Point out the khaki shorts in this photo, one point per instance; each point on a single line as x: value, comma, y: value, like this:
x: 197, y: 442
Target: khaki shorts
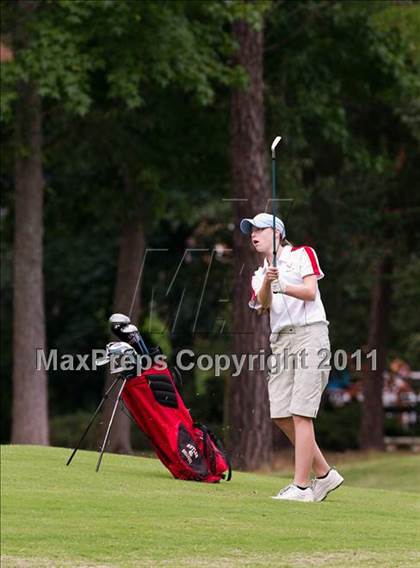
x: 299, y: 370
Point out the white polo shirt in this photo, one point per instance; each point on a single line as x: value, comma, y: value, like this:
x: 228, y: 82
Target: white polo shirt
x: 294, y: 263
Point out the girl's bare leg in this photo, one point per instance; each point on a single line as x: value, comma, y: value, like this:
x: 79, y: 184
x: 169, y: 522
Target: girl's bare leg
x: 307, y: 447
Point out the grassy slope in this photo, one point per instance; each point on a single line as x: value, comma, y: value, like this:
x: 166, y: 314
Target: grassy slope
x: 133, y: 513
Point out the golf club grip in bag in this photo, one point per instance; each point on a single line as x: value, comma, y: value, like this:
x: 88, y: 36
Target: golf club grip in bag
x: 189, y: 450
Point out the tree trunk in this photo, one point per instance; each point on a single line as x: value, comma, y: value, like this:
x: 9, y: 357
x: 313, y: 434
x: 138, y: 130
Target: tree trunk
x: 372, y: 426
x: 250, y: 429
x: 30, y: 394
x: 132, y: 247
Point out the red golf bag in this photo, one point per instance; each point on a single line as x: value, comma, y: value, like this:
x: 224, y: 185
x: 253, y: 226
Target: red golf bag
x: 189, y: 450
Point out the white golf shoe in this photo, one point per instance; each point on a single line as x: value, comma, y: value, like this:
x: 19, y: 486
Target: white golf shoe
x: 293, y: 493
x: 321, y: 487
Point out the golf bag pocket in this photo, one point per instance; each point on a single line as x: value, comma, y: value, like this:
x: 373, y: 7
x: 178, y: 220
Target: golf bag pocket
x: 190, y: 451
x: 214, y: 452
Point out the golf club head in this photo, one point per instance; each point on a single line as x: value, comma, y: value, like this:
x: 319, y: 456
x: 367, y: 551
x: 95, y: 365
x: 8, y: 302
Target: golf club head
x: 130, y: 328
x: 122, y: 356
x: 118, y: 320
x: 115, y: 349
x: 274, y: 145
x: 126, y: 331
x: 102, y: 361
x: 130, y: 334
x: 118, y: 348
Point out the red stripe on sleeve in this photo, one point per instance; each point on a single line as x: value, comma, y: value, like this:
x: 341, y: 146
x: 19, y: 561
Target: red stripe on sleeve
x: 254, y: 295
x: 313, y: 260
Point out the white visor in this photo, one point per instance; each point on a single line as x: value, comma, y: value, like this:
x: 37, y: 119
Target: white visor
x: 262, y: 221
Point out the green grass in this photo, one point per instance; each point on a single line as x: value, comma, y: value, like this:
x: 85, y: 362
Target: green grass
x: 385, y: 472
x: 132, y: 513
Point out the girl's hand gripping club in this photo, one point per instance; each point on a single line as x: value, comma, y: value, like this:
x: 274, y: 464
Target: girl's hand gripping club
x: 272, y: 276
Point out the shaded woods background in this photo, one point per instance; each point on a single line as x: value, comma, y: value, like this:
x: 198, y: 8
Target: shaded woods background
x: 130, y: 126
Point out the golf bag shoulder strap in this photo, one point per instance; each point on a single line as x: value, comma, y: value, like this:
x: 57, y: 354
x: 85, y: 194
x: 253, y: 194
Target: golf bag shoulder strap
x: 177, y: 376
x: 154, y: 352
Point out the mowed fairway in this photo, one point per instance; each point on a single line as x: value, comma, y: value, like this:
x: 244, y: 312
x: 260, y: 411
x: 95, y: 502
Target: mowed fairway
x: 132, y: 513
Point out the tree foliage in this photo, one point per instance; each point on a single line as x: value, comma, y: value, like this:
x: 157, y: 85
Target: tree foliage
x: 131, y: 47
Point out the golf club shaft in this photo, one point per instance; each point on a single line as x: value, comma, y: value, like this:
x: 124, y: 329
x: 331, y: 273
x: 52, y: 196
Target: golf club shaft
x: 83, y: 436
x: 273, y: 200
x: 275, y: 285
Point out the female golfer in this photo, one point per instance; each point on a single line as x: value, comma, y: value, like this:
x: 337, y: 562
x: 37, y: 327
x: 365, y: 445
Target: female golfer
x: 300, y: 350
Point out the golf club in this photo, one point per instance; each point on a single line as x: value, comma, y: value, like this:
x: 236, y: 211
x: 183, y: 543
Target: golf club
x: 119, y: 320
x: 126, y: 331
x: 275, y: 286
x: 135, y: 339
x: 120, y: 353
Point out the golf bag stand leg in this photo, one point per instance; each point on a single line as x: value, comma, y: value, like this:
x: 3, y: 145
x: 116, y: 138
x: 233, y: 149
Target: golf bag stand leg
x: 94, y: 415
x: 104, y: 443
